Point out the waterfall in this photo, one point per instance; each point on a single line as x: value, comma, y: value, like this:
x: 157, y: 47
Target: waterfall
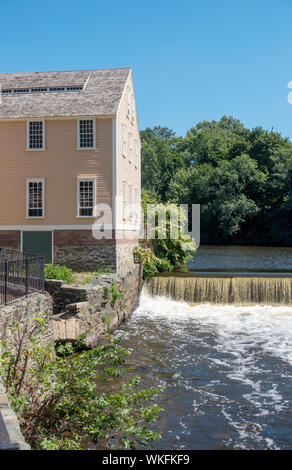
x: 224, y: 289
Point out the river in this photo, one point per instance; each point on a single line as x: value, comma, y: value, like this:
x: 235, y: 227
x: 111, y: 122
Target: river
x: 227, y: 371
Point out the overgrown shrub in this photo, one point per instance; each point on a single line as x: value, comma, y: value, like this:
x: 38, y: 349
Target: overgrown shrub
x: 150, y: 263
x: 62, y: 273
x: 116, y: 294
x: 61, y: 400
x: 172, y: 247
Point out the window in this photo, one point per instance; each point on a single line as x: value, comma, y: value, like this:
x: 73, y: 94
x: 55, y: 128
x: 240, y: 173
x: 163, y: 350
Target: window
x: 136, y: 205
x: 136, y: 153
x: 124, y: 199
x: 36, y: 135
x: 124, y: 140
x: 129, y: 101
x: 86, y: 197
x: 20, y: 91
x: 131, y: 201
x: 130, y: 147
x: 133, y: 108
x: 86, y: 134
x: 35, y: 197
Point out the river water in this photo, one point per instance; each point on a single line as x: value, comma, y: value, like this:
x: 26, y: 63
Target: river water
x: 227, y: 371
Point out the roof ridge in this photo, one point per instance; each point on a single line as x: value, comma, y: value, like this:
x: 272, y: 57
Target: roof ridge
x: 62, y: 71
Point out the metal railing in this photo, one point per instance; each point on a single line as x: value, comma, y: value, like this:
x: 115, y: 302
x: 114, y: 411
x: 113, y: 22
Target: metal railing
x: 21, y: 274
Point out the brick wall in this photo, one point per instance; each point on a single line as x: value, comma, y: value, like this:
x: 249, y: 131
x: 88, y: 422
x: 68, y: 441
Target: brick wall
x: 10, y: 238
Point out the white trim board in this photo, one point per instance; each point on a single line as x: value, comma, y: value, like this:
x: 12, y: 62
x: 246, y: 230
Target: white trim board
x: 67, y: 227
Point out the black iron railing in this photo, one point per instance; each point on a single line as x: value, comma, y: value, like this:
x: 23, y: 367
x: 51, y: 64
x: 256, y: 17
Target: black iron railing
x: 21, y: 274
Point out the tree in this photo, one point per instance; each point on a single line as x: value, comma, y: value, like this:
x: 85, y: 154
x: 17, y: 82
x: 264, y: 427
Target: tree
x: 242, y: 178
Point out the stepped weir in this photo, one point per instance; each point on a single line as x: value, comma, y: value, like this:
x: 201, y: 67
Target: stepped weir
x: 224, y: 288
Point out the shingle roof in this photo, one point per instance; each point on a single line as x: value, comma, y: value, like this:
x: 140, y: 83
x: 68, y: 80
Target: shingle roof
x: 100, y: 96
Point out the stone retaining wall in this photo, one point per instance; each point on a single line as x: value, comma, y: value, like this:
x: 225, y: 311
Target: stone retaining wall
x: 11, y: 437
x: 94, y: 309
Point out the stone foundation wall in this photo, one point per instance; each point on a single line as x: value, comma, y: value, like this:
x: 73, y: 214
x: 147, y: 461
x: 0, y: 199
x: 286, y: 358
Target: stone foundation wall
x: 86, y: 258
x: 80, y: 251
x: 118, y: 256
x: 125, y: 258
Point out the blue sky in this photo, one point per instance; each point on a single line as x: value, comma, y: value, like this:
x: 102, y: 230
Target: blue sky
x: 192, y: 59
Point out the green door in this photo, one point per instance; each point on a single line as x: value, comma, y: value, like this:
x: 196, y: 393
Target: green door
x: 38, y: 243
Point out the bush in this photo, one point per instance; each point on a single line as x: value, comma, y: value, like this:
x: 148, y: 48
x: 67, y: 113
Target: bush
x: 173, y: 248
x: 61, y: 401
x: 61, y: 273
x: 150, y: 263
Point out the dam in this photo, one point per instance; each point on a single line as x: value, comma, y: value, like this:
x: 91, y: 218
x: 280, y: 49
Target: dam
x: 240, y: 275
x: 224, y: 288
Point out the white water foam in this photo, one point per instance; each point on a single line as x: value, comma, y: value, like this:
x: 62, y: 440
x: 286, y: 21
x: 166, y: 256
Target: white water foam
x: 241, y: 337
x: 239, y: 329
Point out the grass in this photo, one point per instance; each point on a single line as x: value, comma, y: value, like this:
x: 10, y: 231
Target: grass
x: 84, y: 278
x: 63, y: 273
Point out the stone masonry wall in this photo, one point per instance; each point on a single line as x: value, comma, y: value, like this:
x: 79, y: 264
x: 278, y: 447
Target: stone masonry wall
x: 86, y: 258
x: 94, y: 309
x: 125, y: 259
x: 24, y: 311
x: 89, y: 258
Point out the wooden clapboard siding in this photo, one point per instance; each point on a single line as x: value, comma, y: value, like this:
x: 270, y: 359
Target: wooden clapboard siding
x: 60, y: 164
x: 128, y: 171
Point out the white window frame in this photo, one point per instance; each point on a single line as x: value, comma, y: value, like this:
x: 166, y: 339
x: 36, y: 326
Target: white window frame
x: 124, y: 199
x: 136, y: 153
x: 129, y: 102
x: 131, y: 202
x: 130, y: 147
x: 136, y: 205
x: 132, y: 108
x: 124, y: 140
x: 94, y: 133
x: 36, y: 180
x: 44, y: 135
x: 79, y: 180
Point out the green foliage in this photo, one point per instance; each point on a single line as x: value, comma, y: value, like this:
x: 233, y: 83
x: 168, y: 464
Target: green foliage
x: 170, y: 243
x: 61, y: 273
x: 101, y: 271
x: 61, y: 399
x: 66, y: 274
x: 165, y: 225
x: 116, y: 294
x: 242, y: 178
x: 151, y: 264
